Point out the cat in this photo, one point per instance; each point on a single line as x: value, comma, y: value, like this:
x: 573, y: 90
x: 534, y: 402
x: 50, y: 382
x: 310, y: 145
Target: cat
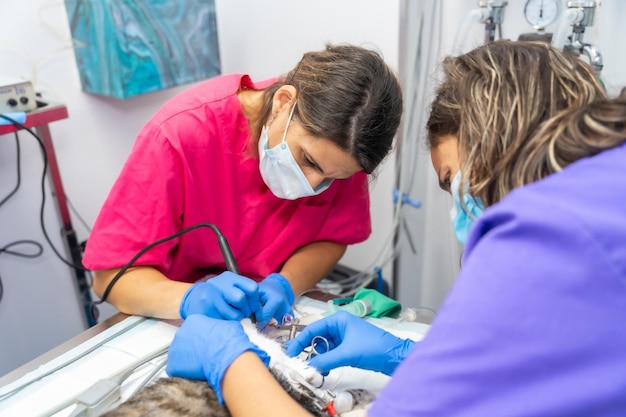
x: 181, y: 397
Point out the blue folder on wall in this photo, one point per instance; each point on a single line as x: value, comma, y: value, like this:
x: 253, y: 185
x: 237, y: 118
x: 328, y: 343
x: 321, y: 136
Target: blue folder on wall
x: 125, y: 48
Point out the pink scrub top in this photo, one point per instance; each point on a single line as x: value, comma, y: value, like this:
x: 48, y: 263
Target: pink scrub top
x: 192, y: 163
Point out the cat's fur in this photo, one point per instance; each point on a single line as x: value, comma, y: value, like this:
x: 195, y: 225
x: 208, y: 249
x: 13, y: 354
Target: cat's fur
x: 172, y: 397
x: 180, y: 397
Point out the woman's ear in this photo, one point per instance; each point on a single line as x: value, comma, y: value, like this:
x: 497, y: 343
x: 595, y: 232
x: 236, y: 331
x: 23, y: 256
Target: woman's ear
x: 284, y: 97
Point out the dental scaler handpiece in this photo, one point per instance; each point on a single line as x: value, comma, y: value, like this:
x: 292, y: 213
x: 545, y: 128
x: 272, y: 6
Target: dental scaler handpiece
x: 229, y: 258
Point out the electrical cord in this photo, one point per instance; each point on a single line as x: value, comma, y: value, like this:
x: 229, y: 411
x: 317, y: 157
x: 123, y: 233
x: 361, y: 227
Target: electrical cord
x: 227, y: 254
x: 77, y: 214
x: 88, y: 272
x: 6, y: 249
x: 352, y: 283
x: 19, y: 172
x: 91, y: 318
x: 43, y: 192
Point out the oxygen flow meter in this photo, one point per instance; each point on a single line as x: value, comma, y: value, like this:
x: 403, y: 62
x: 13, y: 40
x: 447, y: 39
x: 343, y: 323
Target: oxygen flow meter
x: 541, y: 13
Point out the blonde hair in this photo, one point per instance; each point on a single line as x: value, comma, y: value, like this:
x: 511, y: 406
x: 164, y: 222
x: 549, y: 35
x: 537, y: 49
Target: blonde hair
x: 585, y: 131
x: 510, y: 105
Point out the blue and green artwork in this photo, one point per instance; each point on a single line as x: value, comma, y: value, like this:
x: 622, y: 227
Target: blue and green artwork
x: 125, y: 48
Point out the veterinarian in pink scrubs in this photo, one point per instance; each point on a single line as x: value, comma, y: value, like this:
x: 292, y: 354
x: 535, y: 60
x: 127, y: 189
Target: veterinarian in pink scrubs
x: 279, y: 166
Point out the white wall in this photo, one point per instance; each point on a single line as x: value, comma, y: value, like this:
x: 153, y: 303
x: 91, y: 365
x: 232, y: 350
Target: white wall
x: 39, y: 309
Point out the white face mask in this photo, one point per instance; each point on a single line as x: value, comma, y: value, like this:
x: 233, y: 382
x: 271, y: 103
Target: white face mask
x: 280, y: 171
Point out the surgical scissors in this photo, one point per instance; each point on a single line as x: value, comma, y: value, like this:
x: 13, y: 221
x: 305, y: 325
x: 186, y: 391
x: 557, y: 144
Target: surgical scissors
x: 312, y: 348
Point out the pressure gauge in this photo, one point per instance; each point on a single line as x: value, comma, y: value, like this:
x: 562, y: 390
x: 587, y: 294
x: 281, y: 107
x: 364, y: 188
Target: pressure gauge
x: 541, y: 13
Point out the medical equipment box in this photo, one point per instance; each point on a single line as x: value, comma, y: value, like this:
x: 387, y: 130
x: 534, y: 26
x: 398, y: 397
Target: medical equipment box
x: 16, y: 95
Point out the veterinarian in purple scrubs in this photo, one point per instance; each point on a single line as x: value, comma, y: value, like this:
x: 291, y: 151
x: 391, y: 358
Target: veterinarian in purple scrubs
x: 534, y: 323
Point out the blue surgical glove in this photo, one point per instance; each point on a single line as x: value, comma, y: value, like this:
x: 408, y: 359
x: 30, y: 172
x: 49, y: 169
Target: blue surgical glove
x: 352, y: 342
x: 227, y: 296
x: 203, y: 348
x: 276, y: 297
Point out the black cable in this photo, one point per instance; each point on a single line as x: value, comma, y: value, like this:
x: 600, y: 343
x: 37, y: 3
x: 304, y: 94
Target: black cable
x: 43, y: 192
x: 227, y: 254
x: 7, y: 249
x: 19, y: 171
x: 77, y: 214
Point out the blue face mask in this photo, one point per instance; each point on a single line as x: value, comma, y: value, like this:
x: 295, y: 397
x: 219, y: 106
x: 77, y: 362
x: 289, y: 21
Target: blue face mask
x: 462, y: 220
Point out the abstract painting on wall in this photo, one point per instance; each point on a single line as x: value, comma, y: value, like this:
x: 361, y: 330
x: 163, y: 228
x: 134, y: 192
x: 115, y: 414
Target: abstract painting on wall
x: 124, y: 48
